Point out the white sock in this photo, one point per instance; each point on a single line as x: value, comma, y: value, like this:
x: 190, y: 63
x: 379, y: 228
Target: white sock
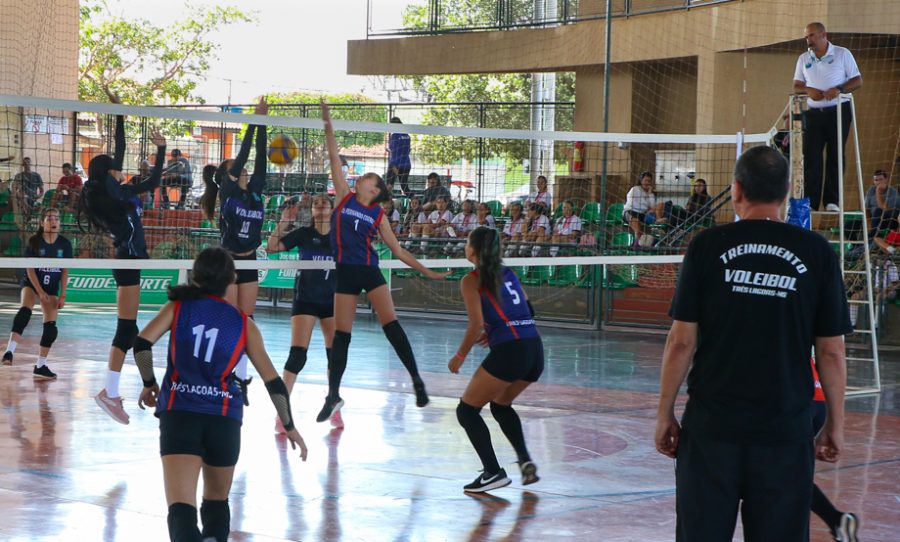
x: 112, y: 383
x: 854, y: 312
x: 554, y: 251
x: 40, y: 362
x: 11, y: 348
x: 241, y: 369
x: 424, y: 244
x: 535, y: 250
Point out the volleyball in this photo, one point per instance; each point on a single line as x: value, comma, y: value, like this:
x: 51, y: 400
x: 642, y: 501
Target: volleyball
x: 283, y: 150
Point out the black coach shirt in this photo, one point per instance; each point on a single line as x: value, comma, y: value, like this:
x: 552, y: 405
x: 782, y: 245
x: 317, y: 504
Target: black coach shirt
x: 760, y: 291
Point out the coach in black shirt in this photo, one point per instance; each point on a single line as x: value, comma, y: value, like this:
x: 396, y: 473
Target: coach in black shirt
x: 752, y: 300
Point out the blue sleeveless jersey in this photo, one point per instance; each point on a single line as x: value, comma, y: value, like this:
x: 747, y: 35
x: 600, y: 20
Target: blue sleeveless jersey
x: 207, y: 339
x: 506, y: 317
x: 241, y: 222
x: 353, y: 227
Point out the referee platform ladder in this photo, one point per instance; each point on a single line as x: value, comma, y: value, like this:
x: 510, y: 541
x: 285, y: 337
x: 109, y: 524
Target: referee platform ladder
x: 847, y: 231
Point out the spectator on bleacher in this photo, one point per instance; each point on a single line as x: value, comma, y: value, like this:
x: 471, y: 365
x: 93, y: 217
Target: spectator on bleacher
x: 882, y: 204
x: 568, y: 227
x: 391, y: 214
x: 178, y: 174
x: 398, y: 161
x: 439, y: 219
x: 433, y: 190
x: 29, y: 186
x: 413, y: 219
x: 69, y: 188
x: 463, y: 223
x: 696, y: 204
x: 542, y: 195
x: 538, y: 228
x: 515, y: 226
x: 142, y: 175
x: 890, y: 242
x: 483, y: 216
x: 641, y: 206
x: 304, y: 211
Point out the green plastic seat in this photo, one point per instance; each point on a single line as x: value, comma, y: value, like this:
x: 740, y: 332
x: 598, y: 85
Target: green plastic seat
x: 4, y: 198
x: 623, y: 239
x: 558, y: 211
x: 590, y: 213
x: 269, y: 226
x: 614, y: 214
x: 537, y: 275
x: 207, y: 224
x: 8, y: 222
x: 274, y: 202
x: 401, y: 203
x: 15, y: 247
x: 564, y: 275
x: 495, y: 206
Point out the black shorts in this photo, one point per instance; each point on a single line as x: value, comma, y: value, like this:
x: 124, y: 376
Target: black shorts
x: 516, y: 360
x: 127, y: 277
x: 246, y: 275
x: 50, y: 289
x: 628, y: 216
x: 319, y: 310
x: 353, y: 279
x: 216, y: 439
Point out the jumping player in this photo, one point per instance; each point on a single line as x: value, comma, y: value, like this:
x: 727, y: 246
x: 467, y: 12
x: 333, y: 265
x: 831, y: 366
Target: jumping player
x: 313, y: 288
x: 499, y: 313
x: 355, y: 221
x: 199, y: 405
x: 115, y: 207
x: 44, y: 284
x: 241, y: 218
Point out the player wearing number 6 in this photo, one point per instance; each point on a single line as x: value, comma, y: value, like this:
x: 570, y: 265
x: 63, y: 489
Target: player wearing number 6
x: 199, y: 403
x: 241, y: 217
x: 355, y: 221
x: 44, y: 284
x: 313, y: 288
x: 501, y: 316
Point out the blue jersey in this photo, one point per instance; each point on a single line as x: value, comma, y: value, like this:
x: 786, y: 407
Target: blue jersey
x: 49, y: 277
x: 506, y: 316
x: 353, y: 227
x: 207, y: 340
x: 241, y: 222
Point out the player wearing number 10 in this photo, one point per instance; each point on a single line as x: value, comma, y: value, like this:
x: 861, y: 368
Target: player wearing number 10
x: 45, y: 284
x: 355, y: 221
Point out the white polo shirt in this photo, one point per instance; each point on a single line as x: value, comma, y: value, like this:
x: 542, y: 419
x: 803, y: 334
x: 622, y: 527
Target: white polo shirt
x: 832, y: 70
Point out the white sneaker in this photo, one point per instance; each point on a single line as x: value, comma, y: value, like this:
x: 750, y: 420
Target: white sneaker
x: 846, y: 530
x: 112, y: 406
x: 832, y: 208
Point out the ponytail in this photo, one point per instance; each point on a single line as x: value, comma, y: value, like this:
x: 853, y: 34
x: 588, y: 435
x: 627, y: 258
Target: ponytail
x: 486, y: 244
x: 210, y: 192
x: 212, y: 273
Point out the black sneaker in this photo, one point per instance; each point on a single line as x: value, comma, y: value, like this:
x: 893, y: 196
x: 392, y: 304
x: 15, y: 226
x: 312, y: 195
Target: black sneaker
x: 243, y: 385
x: 329, y: 409
x: 44, y: 373
x: 529, y: 473
x: 846, y: 530
x: 7, y: 358
x: 487, y: 483
x: 421, y: 394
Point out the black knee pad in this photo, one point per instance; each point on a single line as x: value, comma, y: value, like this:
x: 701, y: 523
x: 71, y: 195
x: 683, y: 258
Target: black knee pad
x: 20, y: 321
x: 340, y: 338
x: 49, y: 335
x: 126, y: 333
x: 466, y: 413
x: 182, y: 520
x: 296, y: 360
x: 216, y: 519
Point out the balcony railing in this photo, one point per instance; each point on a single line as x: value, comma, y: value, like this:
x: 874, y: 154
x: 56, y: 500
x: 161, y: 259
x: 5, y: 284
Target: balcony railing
x: 430, y: 17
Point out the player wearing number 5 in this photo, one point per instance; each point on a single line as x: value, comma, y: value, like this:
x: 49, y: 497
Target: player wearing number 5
x: 313, y: 288
x: 44, y: 284
x: 500, y: 315
x: 241, y: 217
x: 199, y: 404
x: 355, y: 221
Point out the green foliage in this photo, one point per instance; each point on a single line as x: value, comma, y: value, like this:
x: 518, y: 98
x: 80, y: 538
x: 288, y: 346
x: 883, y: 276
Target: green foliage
x: 143, y: 64
x: 478, y: 88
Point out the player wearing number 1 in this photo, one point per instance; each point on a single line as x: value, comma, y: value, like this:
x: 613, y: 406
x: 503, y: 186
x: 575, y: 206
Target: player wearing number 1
x: 44, y: 284
x: 355, y: 221
x: 199, y: 404
x: 241, y: 217
x: 500, y: 315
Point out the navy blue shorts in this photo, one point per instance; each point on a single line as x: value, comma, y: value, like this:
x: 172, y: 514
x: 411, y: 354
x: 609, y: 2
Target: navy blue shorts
x: 354, y: 279
x: 216, y: 439
x: 516, y: 360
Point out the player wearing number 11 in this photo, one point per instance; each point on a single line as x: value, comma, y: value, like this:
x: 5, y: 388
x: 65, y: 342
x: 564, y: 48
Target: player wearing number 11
x: 355, y: 221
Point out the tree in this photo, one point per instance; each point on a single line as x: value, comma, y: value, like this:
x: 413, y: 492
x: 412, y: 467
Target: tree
x: 143, y: 64
x: 474, y: 89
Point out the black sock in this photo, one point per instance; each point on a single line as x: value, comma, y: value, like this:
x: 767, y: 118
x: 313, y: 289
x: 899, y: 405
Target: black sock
x: 397, y: 337
x: 182, y: 521
x: 470, y: 419
x: 338, y: 363
x: 511, y: 425
x: 328, y: 356
x: 216, y: 519
x: 823, y: 508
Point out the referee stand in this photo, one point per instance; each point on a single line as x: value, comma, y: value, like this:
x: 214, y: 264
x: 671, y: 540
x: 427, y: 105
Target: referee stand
x: 863, y: 371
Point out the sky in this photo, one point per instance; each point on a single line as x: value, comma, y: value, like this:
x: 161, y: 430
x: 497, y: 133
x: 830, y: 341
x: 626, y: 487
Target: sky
x: 294, y: 44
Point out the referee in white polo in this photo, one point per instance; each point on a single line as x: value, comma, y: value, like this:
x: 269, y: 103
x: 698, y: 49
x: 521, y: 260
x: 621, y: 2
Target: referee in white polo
x: 823, y: 72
